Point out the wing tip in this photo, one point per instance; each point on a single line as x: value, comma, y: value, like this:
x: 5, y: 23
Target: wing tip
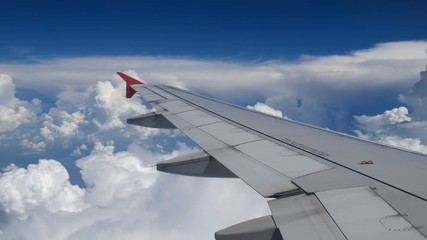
x: 128, y: 79
x: 129, y: 82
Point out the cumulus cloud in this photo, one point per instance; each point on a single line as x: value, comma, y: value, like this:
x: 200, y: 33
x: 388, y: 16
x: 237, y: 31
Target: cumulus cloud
x: 398, y: 126
x: 417, y: 97
x: 60, y: 124
x: 103, y: 105
x: 38, y: 147
x: 378, y: 122
x: 408, y: 143
x: 43, y: 185
x: 78, y: 150
x: 123, y: 198
x: 14, y: 112
x: 264, y: 108
x: 129, y: 174
x: 95, y: 114
x: 99, y: 111
x: 7, y: 89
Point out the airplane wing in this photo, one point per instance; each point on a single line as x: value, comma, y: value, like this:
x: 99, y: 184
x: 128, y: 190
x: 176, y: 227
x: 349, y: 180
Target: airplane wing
x: 319, y: 184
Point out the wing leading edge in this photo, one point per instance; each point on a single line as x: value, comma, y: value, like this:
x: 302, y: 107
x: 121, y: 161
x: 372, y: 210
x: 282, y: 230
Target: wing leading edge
x: 319, y: 182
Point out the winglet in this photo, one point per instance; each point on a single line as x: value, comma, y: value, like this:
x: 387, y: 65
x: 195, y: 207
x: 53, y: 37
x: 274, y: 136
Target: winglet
x: 129, y: 82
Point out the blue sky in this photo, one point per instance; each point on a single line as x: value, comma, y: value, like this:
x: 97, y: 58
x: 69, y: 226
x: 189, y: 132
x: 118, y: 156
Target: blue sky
x: 204, y: 29
x: 69, y: 158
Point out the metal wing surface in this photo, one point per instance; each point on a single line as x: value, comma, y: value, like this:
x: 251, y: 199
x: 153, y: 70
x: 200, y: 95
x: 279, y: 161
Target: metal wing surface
x: 319, y: 184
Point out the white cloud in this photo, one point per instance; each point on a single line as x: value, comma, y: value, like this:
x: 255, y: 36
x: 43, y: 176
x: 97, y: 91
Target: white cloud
x: 386, y: 63
x: 7, y: 89
x: 417, y: 97
x: 125, y: 199
x: 14, y: 112
x: 262, y: 107
x: 96, y: 114
x: 37, y: 147
x: 398, y: 127
x: 408, y: 143
x: 113, y: 106
x: 39, y: 185
x: 78, y: 150
x: 101, y: 110
x: 111, y: 176
x: 60, y: 124
x: 394, y: 116
x: 12, y: 117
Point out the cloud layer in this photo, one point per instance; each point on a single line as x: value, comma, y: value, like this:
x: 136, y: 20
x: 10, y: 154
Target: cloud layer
x: 322, y: 90
x: 14, y: 112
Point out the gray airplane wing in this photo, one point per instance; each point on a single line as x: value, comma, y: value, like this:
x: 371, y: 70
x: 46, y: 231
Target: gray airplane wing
x: 319, y: 184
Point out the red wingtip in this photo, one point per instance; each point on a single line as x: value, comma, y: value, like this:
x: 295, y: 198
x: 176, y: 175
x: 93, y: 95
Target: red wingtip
x: 128, y: 79
x: 129, y: 82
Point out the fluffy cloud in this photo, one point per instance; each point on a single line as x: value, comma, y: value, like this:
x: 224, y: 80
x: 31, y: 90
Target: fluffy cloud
x: 416, y: 97
x: 408, y: 143
x: 129, y: 174
x: 123, y: 198
x: 37, y: 147
x: 101, y: 110
x: 95, y: 114
x: 14, y: 112
x: 383, y: 122
x: 39, y: 185
x: 78, y: 150
x: 7, y: 89
x: 399, y: 127
x: 102, y: 106
x: 262, y: 107
x: 60, y: 124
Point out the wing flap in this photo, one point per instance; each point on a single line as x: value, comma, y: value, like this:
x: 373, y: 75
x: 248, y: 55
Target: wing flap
x: 362, y: 214
x: 304, y: 217
x: 286, y: 161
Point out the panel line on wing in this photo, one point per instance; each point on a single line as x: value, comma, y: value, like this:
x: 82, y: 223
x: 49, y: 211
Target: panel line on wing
x: 160, y: 91
x: 304, y: 217
x: 177, y: 106
x: 229, y: 134
x: 286, y: 161
x: 359, y: 208
x: 198, y: 118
